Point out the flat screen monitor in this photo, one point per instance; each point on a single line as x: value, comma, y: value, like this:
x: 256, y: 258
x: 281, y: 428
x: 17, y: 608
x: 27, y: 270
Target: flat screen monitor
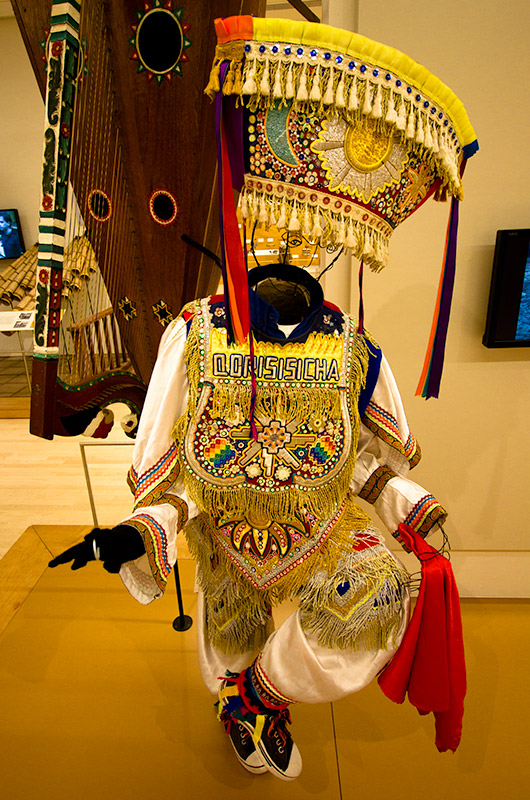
x: 508, y: 319
x: 11, y: 240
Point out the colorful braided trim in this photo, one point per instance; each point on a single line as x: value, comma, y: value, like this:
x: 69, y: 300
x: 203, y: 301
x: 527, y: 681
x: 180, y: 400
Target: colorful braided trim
x: 270, y: 696
x: 425, y: 514
x: 412, y: 451
x: 151, y: 488
x: 385, y: 426
x: 376, y: 483
x: 155, y: 542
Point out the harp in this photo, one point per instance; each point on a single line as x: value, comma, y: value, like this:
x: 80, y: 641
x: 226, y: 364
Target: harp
x: 128, y: 170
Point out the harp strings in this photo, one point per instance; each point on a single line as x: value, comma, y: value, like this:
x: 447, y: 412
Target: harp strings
x: 101, y: 255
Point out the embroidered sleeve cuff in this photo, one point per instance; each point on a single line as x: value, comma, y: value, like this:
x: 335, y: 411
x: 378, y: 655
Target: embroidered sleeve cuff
x: 158, y: 528
x: 402, y: 500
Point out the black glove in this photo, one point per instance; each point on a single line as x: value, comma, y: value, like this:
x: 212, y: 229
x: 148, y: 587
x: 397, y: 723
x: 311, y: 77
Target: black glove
x: 114, y: 546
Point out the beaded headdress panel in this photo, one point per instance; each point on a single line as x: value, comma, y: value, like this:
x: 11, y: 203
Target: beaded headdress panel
x: 343, y: 137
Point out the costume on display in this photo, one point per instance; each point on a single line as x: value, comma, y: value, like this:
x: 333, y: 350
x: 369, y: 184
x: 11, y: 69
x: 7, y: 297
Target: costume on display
x: 259, y: 430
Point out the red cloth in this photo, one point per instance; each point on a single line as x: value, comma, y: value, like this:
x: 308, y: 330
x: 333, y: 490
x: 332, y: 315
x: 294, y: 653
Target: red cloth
x: 429, y: 664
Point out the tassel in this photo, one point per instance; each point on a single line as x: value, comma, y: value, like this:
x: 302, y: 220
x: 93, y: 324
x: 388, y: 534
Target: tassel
x: 353, y: 100
x: 420, y: 134
x: 282, y: 222
x: 264, y: 84
x: 401, y: 120
x: 443, y: 146
x: 238, y: 78
x: 251, y: 201
x: 272, y: 216
x: 340, y: 100
x: 429, y: 144
x: 228, y: 83
x: 411, y: 124
x: 263, y: 216
x: 302, y: 95
x: 368, y: 250
x: 377, y: 108
x: 244, y: 206
x: 315, y: 95
x: 378, y: 253
x: 341, y: 234
x: 317, y: 231
x: 250, y: 87
x: 435, y: 140
x: 367, y: 105
x: 391, y: 115
x: 440, y: 194
x: 294, y: 222
x: 329, y: 95
x: 213, y: 84
x: 277, y: 90
x: 289, y: 87
x: 350, y: 241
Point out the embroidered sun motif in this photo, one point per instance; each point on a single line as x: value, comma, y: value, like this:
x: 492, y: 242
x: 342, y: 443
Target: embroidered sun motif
x: 274, y: 437
x: 359, y: 159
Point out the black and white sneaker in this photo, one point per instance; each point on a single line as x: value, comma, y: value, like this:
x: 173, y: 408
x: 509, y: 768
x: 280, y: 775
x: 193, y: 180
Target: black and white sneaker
x: 244, y: 749
x: 279, y: 753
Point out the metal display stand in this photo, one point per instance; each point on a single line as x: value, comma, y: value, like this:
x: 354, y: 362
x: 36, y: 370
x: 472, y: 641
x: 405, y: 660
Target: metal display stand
x: 182, y: 622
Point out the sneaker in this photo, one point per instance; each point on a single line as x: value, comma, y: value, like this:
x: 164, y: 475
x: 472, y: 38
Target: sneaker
x: 280, y: 754
x: 274, y: 748
x: 244, y: 749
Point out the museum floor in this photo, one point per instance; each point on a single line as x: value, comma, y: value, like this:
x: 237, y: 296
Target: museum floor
x: 100, y: 698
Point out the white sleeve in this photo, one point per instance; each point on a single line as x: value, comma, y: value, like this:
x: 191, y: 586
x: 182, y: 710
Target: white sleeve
x: 161, y: 505
x: 386, y: 452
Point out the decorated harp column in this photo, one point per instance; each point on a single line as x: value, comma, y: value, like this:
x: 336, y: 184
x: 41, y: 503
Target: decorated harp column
x: 62, y: 56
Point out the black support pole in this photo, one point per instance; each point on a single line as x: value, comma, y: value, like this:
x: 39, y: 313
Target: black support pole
x: 183, y: 622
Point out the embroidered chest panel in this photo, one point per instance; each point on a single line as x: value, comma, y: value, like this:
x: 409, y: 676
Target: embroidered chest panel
x: 266, y: 551
x: 303, y: 416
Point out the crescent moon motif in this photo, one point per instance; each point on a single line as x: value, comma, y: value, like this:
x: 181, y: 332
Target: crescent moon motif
x: 277, y: 134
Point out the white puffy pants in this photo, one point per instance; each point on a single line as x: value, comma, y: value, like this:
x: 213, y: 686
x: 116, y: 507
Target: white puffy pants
x: 296, y: 664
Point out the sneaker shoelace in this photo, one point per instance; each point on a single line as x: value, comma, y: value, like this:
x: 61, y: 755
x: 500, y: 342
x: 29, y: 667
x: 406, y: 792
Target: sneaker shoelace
x: 277, y: 728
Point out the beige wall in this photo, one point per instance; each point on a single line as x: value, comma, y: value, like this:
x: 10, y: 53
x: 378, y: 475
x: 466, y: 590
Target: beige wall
x: 21, y: 126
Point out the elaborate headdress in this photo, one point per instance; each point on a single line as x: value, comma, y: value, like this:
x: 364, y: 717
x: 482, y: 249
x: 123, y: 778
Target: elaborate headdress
x: 338, y: 137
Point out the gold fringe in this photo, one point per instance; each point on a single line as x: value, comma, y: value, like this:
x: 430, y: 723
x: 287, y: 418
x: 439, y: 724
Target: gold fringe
x: 245, y: 608
x: 368, y: 244
x: 279, y: 403
x: 233, y: 52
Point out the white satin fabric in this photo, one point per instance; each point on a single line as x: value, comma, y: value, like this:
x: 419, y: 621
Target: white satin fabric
x: 296, y: 664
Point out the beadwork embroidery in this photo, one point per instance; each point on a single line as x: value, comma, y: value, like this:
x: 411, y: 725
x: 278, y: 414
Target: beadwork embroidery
x: 305, y: 415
